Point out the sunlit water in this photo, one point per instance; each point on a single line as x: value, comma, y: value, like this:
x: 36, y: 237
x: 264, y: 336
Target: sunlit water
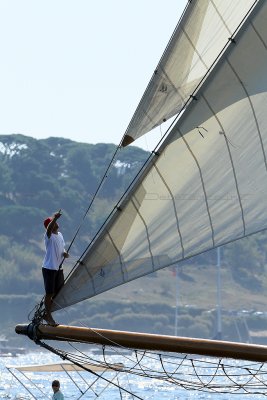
x: 39, y: 384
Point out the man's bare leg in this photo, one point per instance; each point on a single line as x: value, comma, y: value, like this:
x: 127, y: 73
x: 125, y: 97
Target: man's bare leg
x: 48, y: 305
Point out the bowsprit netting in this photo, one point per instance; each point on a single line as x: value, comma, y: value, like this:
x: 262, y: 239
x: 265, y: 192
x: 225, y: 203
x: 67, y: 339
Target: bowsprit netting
x: 190, y: 372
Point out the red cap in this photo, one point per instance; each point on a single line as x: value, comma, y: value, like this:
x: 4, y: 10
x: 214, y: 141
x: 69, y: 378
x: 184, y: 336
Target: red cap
x: 47, y: 222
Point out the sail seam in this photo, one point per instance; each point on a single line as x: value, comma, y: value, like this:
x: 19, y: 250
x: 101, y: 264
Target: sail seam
x: 253, y: 110
x: 195, y: 49
x: 203, y: 78
x: 147, y: 115
x: 220, y: 16
x: 146, y: 228
x: 175, y: 32
x: 172, y: 84
x: 259, y: 36
x: 118, y: 252
x: 175, y: 209
x: 231, y: 160
x: 177, y: 260
x: 203, y: 184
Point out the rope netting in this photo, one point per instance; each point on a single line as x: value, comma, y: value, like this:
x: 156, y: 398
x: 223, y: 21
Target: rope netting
x: 190, y: 372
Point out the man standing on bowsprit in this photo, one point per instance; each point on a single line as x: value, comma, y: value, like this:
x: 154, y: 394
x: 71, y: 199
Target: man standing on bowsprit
x: 54, y: 256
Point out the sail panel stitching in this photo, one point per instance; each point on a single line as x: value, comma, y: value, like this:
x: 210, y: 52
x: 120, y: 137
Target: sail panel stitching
x: 231, y: 160
x: 221, y: 18
x: 174, y: 208
x: 259, y: 36
x: 252, y: 109
x: 195, y: 49
x: 171, y: 83
x: 146, y: 229
x: 119, y: 254
x: 202, y: 183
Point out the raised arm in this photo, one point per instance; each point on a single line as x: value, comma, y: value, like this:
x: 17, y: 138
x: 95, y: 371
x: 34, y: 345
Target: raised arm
x: 53, y: 223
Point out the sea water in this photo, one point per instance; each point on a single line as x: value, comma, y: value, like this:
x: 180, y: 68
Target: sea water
x: 39, y: 384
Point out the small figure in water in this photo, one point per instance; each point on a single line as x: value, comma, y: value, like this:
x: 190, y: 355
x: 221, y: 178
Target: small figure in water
x: 58, y: 395
x: 54, y: 256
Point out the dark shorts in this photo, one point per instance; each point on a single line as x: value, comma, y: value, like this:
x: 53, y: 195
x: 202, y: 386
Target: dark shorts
x: 53, y: 280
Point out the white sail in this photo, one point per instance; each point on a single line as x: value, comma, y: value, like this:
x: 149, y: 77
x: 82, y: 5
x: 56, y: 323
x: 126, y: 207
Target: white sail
x: 206, y: 187
x: 203, y: 32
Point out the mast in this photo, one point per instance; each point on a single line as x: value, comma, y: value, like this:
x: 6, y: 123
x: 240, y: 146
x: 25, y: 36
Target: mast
x: 176, y: 301
x: 219, y: 303
x: 145, y: 341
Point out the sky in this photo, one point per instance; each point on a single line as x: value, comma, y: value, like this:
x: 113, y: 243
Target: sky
x: 78, y: 68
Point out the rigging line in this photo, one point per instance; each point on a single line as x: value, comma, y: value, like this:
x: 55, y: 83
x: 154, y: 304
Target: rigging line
x: 84, y: 380
x: 83, y: 218
x: 130, y: 186
x: 116, y: 345
x: 236, y: 384
x: 186, y: 103
x: 71, y: 378
x: 212, y: 377
x: 133, y: 369
x: 255, y: 375
x: 118, y: 202
x: 206, y: 250
x: 98, y: 333
x: 25, y: 387
x: 119, y: 388
x: 170, y: 375
x: 161, y: 59
x: 198, y: 388
x: 159, y: 143
x: 85, y: 326
x: 145, y: 373
x: 208, y: 69
x: 182, y: 360
x: 115, y: 208
x: 94, y: 196
x: 105, y: 363
x: 24, y: 374
x: 65, y: 356
x: 91, y: 386
x: 129, y: 382
x: 171, y: 83
x: 205, y: 76
x: 105, y: 387
x: 149, y: 356
x: 125, y: 369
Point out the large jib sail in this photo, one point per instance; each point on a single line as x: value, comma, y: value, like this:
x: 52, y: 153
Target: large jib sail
x: 207, y: 184
x: 199, y: 37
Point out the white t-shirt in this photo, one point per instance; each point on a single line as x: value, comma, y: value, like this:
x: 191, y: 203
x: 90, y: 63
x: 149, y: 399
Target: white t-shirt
x: 54, y: 251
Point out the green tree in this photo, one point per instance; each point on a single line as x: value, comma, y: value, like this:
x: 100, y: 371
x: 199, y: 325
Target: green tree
x: 78, y: 166
x: 246, y: 262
